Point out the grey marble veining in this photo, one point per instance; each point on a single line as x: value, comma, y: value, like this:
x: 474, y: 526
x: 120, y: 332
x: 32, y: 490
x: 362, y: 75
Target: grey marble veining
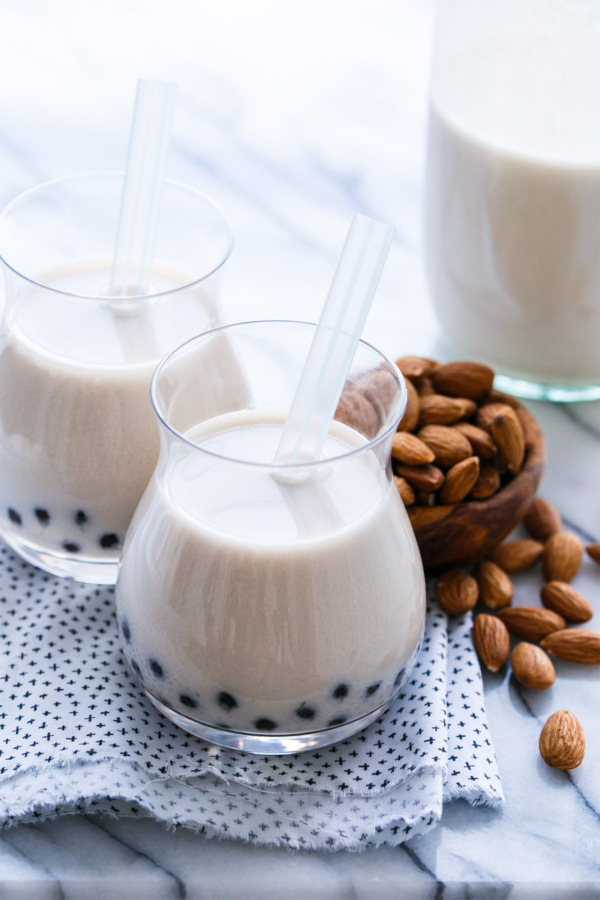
x: 293, y: 116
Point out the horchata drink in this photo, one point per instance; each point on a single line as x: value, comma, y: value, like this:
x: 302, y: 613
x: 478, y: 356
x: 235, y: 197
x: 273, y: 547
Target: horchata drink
x: 264, y: 606
x: 78, y: 437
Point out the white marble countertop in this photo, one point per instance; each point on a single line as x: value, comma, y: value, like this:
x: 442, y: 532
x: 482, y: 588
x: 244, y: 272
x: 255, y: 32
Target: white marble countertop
x: 293, y: 116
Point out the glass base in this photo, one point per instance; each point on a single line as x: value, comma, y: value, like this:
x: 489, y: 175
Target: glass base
x: 89, y: 571
x: 556, y: 393
x: 267, y: 744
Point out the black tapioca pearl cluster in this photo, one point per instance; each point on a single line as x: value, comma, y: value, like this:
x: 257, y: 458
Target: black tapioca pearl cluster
x: 14, y: 516
x: 156, y: 668
x: 42, y: 515
x: 340, y: 691
x: 227, y: 701
x: 110, y: 541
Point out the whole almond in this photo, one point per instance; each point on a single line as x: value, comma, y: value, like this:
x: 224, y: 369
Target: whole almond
x: 416, y: 367
x: 495, y: 587
x: 561, y: 557
x: 516, y: 556
x: 542, y: 520
x: 532, y: 667
x: 422, y: 498
x: 425, y: 387
x: 491, y: 641
x: 562, y: 742
x: 449, y: 445
x: 531, y: 433
x: 575, y: 644
x: 456, y: 592
x: 405, y: 490
x: 593, y: 551
x: 530, y: 622
x: 463, y: 379
x: 568, y: 602
x: 460, y: 479
x: 354, y: 409
x: 409, y: 420
x: 508, y: 436
x: 439, y: 410
x: 407, y: 448
x: 488, y: 413
x: 488, y: 482
x: 422, y: 478
x: 480, y: 440
x: 495, y: 396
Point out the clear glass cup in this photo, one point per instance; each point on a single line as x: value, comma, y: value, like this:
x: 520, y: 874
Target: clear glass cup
x: 512, y: 209
x: 270, y: 608
x: 78, y: 437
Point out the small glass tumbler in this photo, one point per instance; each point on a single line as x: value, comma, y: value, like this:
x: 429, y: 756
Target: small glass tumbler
x: 512, y: 209
x: 78, y: 437
x: 266, y: 607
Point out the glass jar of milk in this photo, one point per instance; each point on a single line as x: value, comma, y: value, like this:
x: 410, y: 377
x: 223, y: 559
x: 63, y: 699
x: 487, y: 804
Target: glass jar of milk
x: 272, y: 608
x: 512, y: 217
x: 78, y: 437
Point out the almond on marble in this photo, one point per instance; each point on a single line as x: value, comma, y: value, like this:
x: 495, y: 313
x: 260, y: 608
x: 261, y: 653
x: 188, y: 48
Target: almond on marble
x: 567, y: 601
x: 491, y: 641
x: 574, y: 644
x: 456, y: 591
x: 562, y: 742
x: 542, y: 520
x: 495, y: 587
x: 593, y: 551
x: 531, y: 623
x: 532, y: 667
x: 561, y: 557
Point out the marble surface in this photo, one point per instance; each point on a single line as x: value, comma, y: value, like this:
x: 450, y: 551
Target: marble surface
x: 293, y: 116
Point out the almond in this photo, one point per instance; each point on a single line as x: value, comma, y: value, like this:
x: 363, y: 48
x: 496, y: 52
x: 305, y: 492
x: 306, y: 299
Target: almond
x: 531, y: 623
x: 425, y: 387
x: 575, y: 644
x: 495, y: 587
x: 380, y: 388
x: 404, y: 489
x: 407, y: 448
x: 459, y: 480
x: 593, y: 551
x: 532, y: 667
x: 542, y: 520
x: 564, y: 599
x: 488, y: 482
x: 456, y: 592
x: 422, y: 478
x: 480, y: 440
x: 531, y: 433
x: 562, y: 742
x: 354, y: 409
x: 416, y: 367
x: 409, y: 420
x: 516, y: 556
x: 449, y: 445
x: 463, y: 379
x: 439, y: 410
x: 486, y: 414
x: 491, y: 641
x: 561, y: 557
x: 495, y: 396
x: 508, y: 436
x: 426, y: 499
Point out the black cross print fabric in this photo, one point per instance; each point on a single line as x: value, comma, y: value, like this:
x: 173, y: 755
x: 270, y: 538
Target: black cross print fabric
x: 77, y: 734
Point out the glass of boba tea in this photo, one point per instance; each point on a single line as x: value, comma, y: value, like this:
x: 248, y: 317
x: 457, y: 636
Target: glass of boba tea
x: 263, y: 606
x: 78, y: 437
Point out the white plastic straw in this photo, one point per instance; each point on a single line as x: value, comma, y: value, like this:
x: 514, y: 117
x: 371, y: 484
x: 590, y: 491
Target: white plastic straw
x: 335, y: 340
x: 146, y: 161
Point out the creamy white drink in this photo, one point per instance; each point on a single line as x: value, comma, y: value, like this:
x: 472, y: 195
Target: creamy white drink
x: 513, y: 207
x: 258, y: 603
x: 78, y: 437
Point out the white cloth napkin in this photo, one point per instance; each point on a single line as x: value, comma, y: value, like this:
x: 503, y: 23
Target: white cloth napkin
x: 77, y: 733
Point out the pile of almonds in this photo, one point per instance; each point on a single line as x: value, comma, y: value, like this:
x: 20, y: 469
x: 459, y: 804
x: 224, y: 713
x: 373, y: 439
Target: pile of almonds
x: 540, y: 630
x: 458, y: 440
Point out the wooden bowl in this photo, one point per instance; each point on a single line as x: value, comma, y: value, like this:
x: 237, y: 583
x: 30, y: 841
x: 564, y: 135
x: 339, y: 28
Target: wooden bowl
x: 459, y: 534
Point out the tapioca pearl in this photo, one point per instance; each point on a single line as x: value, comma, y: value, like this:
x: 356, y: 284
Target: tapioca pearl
x: 42, y: 515
x: 110, y: 541
x: 188, y: 701
x: 372, y: 689
x: 339, y: 720
x: 340, y: 692
x: 81, y: 518
x: 156, y: 668
x: 265, y: 724
x: 227, y: 701
x: 14, y: 516
x: 126, y: 630
x: 305, y: 712
x: 71, y: 546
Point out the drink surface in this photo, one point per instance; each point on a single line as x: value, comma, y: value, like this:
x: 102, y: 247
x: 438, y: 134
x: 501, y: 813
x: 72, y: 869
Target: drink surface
x: 512, y: 231
x: 78, y: 436
x: 261, y: 603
